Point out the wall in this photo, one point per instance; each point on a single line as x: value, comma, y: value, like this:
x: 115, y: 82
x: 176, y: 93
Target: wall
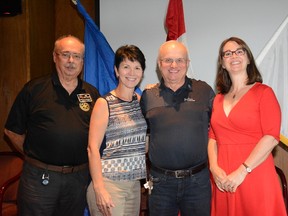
x: 208, y: 23
x: 27, y: 42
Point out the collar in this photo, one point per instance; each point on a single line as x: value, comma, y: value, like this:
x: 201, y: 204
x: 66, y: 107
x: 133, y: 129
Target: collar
x: 186, y: 86
x: 56, y: 82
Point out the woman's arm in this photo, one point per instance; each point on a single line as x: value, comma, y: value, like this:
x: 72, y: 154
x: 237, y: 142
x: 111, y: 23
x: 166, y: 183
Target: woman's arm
x: 261, y: 151
x: 219, y: 174
x: 98, y: 126
x: 259, y: 154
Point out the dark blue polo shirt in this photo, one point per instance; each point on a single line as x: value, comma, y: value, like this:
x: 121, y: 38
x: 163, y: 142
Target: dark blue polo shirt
x: 178, y: 123
x: 56, y: 123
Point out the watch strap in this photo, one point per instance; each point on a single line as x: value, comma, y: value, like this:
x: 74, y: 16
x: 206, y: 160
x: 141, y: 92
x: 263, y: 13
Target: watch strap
x: 248, y: 169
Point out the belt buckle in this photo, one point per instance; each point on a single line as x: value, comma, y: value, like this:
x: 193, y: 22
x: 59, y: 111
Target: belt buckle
x: 179, y: 174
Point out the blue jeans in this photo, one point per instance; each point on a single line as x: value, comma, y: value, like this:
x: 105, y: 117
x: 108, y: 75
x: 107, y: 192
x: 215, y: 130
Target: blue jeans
x: 191, y: 195
x: 64, y: 195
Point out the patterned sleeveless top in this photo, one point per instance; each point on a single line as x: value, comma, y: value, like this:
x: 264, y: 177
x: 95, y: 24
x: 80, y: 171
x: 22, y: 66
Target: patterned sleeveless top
x: 123, y: 156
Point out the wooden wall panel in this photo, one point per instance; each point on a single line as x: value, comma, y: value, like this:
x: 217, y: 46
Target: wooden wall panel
x: 27, y: 42
x: 68, y: 20
x: 41, y: 28
x: 14, y: 62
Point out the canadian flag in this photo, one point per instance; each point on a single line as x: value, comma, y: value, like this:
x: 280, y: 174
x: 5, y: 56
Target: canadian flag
x: 175, y: 25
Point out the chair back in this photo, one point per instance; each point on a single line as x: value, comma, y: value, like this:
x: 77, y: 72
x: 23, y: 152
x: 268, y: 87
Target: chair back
x: 283, y: 182
x: 10, y: 171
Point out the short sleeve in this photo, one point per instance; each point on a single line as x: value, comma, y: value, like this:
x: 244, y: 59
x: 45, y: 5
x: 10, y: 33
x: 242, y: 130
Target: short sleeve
x: 270, y: 114
x: 211, y: 133
x: 17, y: 117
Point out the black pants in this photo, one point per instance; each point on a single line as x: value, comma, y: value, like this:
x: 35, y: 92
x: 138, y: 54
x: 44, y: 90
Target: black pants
x: 64, y: 195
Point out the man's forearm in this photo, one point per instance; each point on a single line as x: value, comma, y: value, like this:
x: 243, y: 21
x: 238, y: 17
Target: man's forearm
x: 17, y: 140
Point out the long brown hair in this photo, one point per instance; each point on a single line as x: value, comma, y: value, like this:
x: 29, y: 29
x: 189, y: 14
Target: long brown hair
x: 223, y: 80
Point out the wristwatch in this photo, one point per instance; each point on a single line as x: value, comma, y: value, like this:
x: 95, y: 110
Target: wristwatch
x: 248, y: 169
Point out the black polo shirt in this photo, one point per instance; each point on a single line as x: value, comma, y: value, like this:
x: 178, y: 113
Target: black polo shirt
x: 56, y: 123
x: 178, y: 123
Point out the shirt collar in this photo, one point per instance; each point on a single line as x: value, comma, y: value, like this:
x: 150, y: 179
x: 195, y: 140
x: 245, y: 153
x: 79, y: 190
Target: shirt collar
x: 56, y: 82
x: 186, y: 86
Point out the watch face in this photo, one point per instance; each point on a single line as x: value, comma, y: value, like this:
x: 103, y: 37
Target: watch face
x: 248, y: 169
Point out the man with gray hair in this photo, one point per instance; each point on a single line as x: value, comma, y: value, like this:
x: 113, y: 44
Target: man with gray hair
x: 49, y: 123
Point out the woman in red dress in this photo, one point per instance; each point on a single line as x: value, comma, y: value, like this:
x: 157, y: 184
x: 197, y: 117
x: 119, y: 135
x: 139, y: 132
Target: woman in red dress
x: 245, y: 128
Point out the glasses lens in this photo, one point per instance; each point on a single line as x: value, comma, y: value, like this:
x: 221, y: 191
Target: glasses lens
x: 169, y: 61
x: 180, y: 61
x: 227, y: 54
x: 67, y: 55
x: 240, y: 52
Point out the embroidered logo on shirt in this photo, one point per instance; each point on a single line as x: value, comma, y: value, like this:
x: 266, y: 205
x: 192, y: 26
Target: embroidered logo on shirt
x: 84, y: 106
x: 84, y: 98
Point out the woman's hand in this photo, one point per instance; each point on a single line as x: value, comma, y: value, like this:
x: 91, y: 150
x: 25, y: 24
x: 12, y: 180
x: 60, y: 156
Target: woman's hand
x: 235, y: 179
x: 219, y: 176
x: 104, y: 202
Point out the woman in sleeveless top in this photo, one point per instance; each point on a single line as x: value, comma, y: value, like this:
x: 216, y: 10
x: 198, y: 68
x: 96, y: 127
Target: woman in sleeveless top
x: 116, y: 147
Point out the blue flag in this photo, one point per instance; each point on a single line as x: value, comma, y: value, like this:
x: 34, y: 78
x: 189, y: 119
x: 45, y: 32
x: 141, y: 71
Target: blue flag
x: 99, y: 59
x: 99, y: 56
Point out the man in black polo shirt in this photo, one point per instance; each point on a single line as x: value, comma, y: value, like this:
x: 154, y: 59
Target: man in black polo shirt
x: 178, y: 114
x: 49, y: 124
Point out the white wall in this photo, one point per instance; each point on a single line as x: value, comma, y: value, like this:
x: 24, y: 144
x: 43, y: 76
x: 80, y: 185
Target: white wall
x: 208, y: 23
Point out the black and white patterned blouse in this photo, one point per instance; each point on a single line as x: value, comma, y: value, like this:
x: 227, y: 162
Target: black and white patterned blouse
x: 123, y: 156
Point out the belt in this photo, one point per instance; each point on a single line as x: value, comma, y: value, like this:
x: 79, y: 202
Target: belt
x: 180, y: 173
x: 61, y: 169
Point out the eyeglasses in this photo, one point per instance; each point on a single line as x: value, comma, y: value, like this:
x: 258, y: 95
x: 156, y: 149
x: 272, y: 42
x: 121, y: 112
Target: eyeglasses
x: 68, y: 55
x: 178, y: 61
x: 229, y: 53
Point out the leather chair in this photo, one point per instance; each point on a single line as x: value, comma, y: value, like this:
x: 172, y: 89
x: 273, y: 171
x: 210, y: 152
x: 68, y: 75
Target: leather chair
x: 10, y: 171
x: 283, y: 182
